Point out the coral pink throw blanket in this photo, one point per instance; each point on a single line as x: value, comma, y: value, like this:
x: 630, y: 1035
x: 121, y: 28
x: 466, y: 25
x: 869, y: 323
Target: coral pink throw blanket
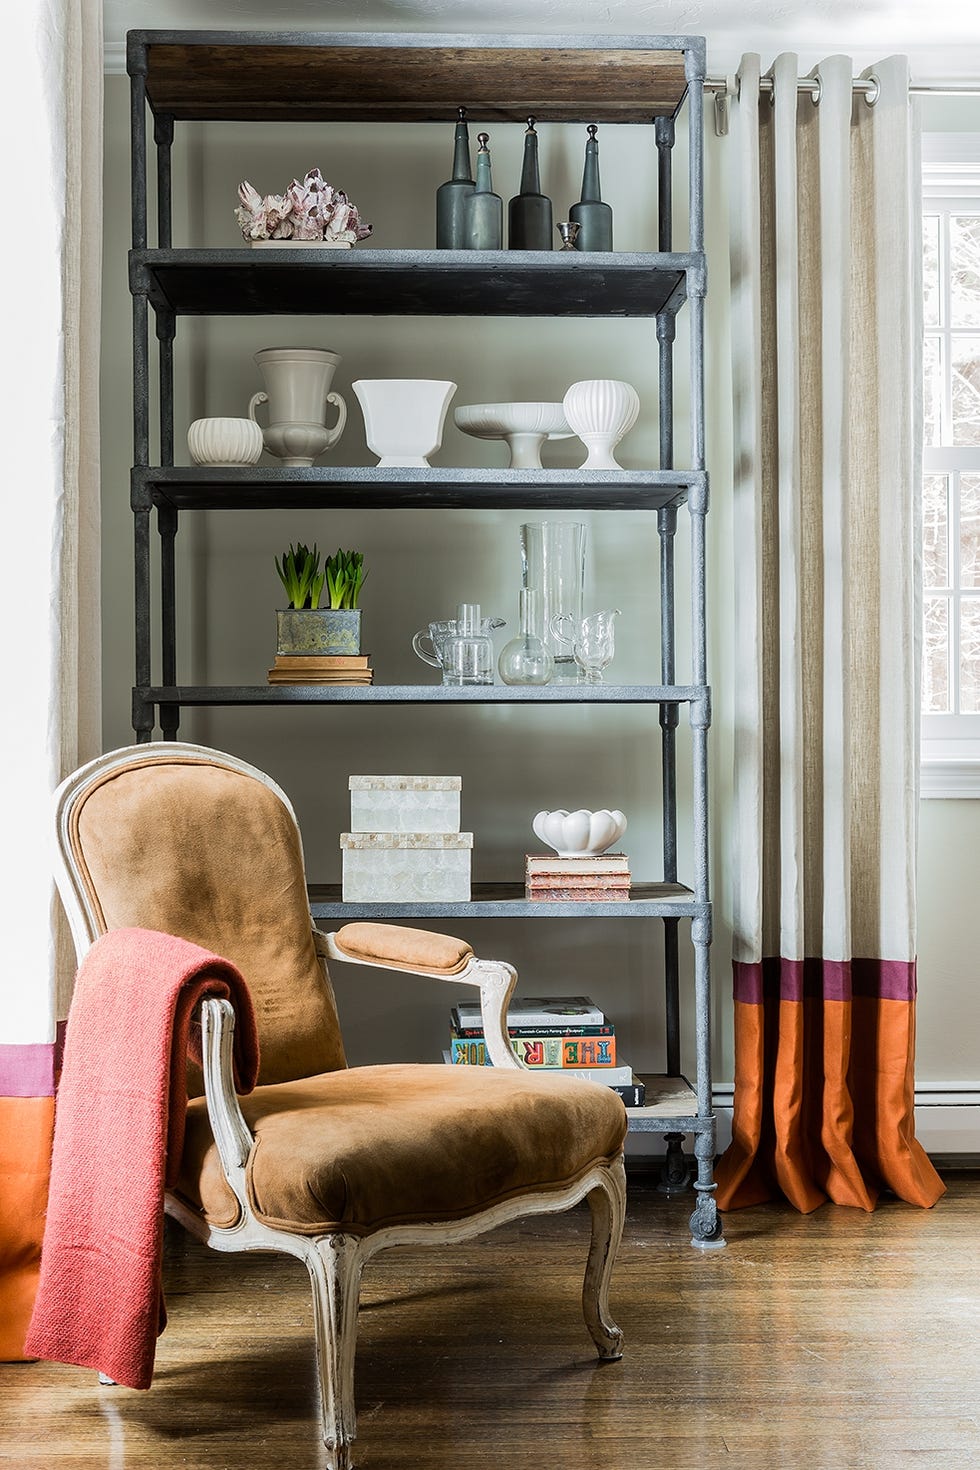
x: 119, y: 1131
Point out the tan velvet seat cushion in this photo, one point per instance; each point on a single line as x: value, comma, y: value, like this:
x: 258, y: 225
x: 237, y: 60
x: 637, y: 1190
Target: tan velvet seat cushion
x: 374, y: 1146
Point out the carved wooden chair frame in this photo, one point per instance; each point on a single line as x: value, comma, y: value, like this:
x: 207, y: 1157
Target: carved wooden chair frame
x: 336, y: 1260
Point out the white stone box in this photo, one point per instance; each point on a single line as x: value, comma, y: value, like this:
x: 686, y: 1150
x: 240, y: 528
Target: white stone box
x: 413, y: 867
x: 404, y: 803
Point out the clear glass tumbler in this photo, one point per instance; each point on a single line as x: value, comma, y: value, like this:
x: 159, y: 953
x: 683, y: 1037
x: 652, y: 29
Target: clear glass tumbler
x: 553, y: 561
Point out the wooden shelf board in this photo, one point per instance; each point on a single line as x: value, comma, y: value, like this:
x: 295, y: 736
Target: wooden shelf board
x: 671, y: 1105
x: 271, y: 76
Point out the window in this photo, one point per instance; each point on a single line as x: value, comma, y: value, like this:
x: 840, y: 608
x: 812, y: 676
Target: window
x: 951, y: 465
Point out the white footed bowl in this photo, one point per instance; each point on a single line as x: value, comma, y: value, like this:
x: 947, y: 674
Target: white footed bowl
x: 581, y: 833
x: 601, y: 411
x: 525, y: 427
x: 224, y: 441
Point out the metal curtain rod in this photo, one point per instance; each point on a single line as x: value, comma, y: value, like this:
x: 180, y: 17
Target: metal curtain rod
x: 725, y: 87
x: 859, y: 84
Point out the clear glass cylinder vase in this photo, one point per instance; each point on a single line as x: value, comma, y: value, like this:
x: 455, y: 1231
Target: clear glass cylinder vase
x: 553, y: 563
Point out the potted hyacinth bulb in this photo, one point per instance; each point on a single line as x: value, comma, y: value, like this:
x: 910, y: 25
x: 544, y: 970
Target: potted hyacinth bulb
x: 322, y: 615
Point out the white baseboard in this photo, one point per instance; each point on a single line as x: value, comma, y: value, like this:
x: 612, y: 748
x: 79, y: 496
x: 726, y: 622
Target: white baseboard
x: 947, y: 1120
x: 947, y: 1117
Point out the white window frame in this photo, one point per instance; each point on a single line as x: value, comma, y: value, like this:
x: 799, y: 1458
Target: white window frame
x: 950, y: 743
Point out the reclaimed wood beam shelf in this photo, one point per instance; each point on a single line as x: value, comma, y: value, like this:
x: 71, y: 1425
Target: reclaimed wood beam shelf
x: 266, y: 76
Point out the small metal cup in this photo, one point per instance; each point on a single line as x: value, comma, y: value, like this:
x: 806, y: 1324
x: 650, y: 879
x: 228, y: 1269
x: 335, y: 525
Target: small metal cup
x: 568, y: 230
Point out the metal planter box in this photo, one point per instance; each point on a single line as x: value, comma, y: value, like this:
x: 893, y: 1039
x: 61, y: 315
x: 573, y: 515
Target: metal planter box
x: 414, y: 867
x: 404, y: 803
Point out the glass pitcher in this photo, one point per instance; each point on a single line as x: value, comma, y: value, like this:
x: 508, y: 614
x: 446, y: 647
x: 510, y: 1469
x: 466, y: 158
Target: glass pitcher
x: 467, y: 654
x: 592, y: 639
x: 435, y: 635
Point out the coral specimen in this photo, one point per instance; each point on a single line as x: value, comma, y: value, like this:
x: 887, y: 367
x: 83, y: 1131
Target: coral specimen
x: 311, y: 210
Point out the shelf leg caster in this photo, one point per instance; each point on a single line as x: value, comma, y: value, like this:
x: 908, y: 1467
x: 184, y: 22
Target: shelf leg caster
x: 675, y: 1175
x: 706, y: 1226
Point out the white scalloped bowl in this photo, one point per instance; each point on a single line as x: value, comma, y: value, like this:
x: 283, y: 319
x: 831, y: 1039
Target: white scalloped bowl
x: 581, y: 833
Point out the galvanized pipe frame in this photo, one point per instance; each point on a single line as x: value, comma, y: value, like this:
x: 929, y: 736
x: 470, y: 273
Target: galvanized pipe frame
x: 704, y: 1223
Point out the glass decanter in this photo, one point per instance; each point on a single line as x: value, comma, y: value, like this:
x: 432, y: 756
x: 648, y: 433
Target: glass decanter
x: 525, y: 659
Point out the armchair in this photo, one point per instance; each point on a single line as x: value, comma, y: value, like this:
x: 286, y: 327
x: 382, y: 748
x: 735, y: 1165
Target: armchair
x: 323, y: 1162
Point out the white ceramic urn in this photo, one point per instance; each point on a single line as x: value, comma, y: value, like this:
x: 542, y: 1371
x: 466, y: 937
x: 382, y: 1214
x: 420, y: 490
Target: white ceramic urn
x: 601, y: 411
x: 297, y: 390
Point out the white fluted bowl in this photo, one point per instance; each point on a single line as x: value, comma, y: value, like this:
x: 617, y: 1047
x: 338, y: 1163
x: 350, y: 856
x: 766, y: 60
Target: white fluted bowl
x: 581, y: 833
x: 224, y: 441
x: 601, y: 411
x: 524, y: 426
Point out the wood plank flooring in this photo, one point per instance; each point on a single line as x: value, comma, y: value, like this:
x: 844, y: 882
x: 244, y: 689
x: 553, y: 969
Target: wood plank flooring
x: 839, y: 1342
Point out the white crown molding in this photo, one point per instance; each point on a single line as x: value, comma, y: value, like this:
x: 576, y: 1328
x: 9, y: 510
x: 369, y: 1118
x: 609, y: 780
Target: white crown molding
x: 114, y: 58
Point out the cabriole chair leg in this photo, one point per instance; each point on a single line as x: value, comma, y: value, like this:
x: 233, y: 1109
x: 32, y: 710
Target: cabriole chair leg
x: 335, y: 1265
x: 608, y: 1206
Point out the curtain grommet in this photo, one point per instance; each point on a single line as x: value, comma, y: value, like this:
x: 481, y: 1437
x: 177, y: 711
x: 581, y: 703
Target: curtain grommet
x: 873, y: 90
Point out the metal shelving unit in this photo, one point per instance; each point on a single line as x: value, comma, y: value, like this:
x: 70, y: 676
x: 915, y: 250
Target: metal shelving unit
x: 265, y: 76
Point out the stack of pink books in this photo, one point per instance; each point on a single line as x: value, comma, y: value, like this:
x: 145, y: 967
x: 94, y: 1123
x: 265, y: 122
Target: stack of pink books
x: 554, y: 879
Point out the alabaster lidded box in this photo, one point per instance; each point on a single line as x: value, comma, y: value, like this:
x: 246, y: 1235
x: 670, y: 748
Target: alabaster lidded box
x: 404, y: 803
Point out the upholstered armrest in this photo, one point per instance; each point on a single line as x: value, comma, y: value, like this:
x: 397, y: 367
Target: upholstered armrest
x: 439, y: 956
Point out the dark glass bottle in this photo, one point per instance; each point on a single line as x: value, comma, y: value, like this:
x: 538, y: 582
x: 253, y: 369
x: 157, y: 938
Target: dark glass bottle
x: 592, y: 216
x: 529, y: 212
x: 450, y: 196
x: 483, y: 210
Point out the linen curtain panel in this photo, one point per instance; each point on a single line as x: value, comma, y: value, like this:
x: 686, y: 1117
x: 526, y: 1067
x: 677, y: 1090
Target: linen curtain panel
x: 825, y: 348
x: 51, y: 161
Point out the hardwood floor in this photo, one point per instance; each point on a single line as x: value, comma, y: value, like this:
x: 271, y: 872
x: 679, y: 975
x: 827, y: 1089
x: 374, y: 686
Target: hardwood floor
x: 839, y: 1342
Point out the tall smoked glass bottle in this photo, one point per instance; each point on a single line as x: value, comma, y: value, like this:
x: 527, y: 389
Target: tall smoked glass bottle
x: 592, y: 216
x: 483, y: 210
x: 451, y: 195
x: 529, y: 212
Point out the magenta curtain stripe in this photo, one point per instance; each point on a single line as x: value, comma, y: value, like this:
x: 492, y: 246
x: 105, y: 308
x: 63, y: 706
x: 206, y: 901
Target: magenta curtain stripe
x: 794, y: 980
x: 32, y: 1069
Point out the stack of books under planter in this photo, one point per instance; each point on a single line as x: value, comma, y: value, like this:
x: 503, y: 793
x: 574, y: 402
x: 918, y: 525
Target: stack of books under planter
x: 603, y: 879
x: 321, y: 668
x: 560, y: 1033
x: 405, y: 843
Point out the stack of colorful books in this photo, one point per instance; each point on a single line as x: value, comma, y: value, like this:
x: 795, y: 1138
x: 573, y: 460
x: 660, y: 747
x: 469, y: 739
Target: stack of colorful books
x: 321, y: 668
x: 562, y: 1033
x: 553, y: 879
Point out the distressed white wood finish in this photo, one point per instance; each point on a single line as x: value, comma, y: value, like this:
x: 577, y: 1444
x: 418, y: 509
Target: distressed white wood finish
x: 335, y: 1261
